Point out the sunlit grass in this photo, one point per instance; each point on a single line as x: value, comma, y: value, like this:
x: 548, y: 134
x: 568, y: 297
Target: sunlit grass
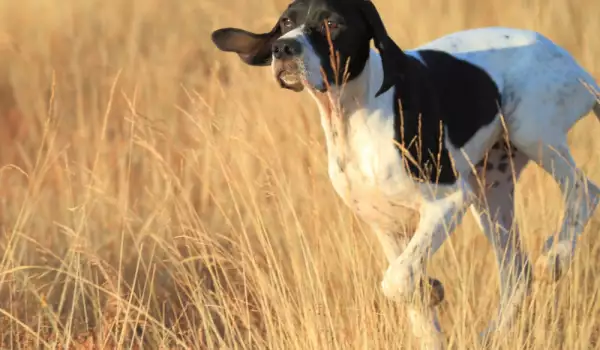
x: 157, y: 193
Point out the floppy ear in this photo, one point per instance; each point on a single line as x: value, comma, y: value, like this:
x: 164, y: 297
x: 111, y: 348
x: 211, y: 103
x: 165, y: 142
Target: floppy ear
x: 392, y: 57
x: 253, y: 49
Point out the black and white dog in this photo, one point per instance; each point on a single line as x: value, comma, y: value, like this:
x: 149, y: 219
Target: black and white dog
x: 417, y: 137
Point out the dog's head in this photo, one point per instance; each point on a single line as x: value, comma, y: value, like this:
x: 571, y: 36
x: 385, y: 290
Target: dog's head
x: 298, y: 48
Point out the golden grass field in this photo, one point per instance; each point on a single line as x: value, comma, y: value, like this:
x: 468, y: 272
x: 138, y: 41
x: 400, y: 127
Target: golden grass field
x: 157, y: 193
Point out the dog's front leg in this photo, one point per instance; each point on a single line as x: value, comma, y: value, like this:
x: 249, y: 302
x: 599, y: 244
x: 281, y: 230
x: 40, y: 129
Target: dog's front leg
x: 424, y: 321
x: 405, y: 280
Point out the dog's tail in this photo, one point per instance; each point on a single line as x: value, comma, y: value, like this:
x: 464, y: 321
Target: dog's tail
x: 594, y: 88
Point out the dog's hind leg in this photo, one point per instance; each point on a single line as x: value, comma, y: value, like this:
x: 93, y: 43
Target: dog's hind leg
x: 581, y: 199
x: 494, y: 211
x: 557, y: 107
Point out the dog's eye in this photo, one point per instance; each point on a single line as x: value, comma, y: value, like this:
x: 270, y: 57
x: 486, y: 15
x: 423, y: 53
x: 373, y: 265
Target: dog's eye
x: 286, y: 22
x: 330, y: 25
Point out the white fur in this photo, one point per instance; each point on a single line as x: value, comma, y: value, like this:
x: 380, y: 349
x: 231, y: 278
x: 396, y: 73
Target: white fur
x: 542, y: 99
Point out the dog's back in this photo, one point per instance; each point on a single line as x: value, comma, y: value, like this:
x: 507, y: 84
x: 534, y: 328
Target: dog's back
x: 528, y: 68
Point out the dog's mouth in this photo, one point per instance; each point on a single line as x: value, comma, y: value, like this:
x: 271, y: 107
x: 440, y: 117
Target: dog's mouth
x: 288, y: 75
x: 289, y: 78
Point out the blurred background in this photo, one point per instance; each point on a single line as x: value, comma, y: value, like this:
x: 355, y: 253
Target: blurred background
x: 157, y: 193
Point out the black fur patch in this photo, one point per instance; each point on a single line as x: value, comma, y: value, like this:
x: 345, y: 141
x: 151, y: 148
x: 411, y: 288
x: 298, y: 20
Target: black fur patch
x: 469, y: 98
x: 419, y: 126
x: 448, y: 92
x: 502, y: 167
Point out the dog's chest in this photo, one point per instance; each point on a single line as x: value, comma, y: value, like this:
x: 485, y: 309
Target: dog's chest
x: 368, y: 173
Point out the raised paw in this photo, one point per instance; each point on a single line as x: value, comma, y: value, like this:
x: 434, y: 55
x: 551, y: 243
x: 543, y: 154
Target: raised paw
x: 402, y: 284
x: 399, y: 284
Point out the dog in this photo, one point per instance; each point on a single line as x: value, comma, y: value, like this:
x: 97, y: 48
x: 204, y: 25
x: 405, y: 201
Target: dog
x: 415, y: 138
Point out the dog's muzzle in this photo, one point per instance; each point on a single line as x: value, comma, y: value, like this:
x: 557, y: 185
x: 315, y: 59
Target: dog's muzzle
x: 286, y: 64
x: 288, y: 74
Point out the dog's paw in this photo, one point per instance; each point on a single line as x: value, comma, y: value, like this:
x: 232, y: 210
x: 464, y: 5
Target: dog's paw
x: 399, y: 283
x: 554, y: 264
x: 404, y: 283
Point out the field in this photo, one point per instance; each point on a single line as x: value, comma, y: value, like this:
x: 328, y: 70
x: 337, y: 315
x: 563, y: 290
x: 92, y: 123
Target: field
x: 157, y: 193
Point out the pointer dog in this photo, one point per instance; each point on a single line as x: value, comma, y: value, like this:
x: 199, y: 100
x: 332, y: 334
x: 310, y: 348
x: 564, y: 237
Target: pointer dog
x: 417, y: 137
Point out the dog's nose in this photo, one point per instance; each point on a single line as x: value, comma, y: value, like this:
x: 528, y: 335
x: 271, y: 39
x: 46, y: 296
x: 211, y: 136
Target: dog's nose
x: 286, y: 48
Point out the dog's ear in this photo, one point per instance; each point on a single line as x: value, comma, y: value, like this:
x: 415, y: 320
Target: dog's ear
x: 392, y: 57
x: 253, y: 49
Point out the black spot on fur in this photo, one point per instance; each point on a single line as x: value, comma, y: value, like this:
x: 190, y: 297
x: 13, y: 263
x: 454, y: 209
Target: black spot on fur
x: 502, y: 167
x: 510, y: 151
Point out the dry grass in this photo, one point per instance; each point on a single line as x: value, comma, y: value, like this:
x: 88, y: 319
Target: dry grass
x: 157, y: 193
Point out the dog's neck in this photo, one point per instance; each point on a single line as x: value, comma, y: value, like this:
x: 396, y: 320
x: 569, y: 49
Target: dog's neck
x: 339, y: 106
x: 355, y: 94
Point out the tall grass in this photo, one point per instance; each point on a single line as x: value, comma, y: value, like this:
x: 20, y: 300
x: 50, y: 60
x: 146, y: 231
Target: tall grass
x: 157, y: 193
